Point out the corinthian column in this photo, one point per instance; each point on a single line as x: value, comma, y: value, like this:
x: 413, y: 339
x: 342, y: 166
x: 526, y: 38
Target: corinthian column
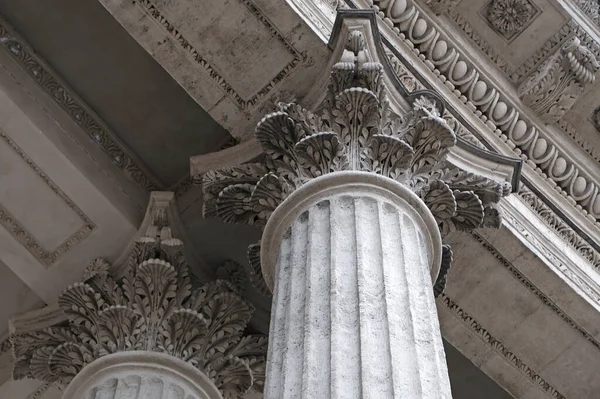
x: 138, y: 329
x: 354, y: 200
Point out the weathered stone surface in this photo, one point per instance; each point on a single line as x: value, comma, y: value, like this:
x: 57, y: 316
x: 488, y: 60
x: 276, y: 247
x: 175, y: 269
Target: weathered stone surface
x: 353, y: 311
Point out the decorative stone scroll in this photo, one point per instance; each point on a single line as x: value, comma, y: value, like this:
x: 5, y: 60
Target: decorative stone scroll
x: 152, y: 308
x: 354, y: 129
x: 554, y: 87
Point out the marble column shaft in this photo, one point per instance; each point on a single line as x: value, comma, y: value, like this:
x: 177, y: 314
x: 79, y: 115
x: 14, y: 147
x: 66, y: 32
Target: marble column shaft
x: 353, y: 310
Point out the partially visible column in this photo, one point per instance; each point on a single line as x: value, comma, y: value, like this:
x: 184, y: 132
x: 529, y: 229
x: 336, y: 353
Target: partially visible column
x: 138, y: 329
x: 353, y: 308
x: 141, y: 375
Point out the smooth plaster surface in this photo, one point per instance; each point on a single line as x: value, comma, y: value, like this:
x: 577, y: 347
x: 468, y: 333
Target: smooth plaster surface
x: 130, y: 91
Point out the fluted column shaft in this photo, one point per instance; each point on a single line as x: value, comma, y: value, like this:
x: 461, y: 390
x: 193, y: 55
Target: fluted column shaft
x: 140, y: 375
x: 353, y: 309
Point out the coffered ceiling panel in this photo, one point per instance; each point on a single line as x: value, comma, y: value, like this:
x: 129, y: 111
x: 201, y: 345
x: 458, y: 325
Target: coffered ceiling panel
x: 528, y: 335
x: 236, y: 58
x: 24, y: 186
x: 244, y: 40
x: 131, y: 93
x: 60, y: 207
x: 512, y: 32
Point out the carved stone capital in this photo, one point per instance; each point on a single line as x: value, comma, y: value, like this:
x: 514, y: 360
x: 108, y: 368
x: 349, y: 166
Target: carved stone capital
x: 553, y: 88
x: 355, y: 128
x: 151, y: 307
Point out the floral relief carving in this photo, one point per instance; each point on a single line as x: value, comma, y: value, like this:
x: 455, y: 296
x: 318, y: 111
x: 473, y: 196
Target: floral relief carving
x: 354, y: 129
x: 510, y: 17
x: 154, y: 307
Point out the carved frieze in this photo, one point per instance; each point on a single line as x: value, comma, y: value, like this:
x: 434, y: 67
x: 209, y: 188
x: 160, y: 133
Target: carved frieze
x: 553, y: 89
x: 591, y: 8
x: 510, y: 17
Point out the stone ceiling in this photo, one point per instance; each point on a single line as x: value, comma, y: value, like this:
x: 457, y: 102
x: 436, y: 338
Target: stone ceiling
x: 163, y: 81
x: 144, y: 107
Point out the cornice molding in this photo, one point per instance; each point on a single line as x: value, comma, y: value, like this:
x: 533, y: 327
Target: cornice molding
x: 498, y: 346
x: 455, y: 70
x: 11, y: 224
x: 96, y: 130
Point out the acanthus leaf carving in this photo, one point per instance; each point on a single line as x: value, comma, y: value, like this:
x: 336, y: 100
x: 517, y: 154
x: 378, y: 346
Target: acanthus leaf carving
x: 353, y: 129
x: 153, y: 307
